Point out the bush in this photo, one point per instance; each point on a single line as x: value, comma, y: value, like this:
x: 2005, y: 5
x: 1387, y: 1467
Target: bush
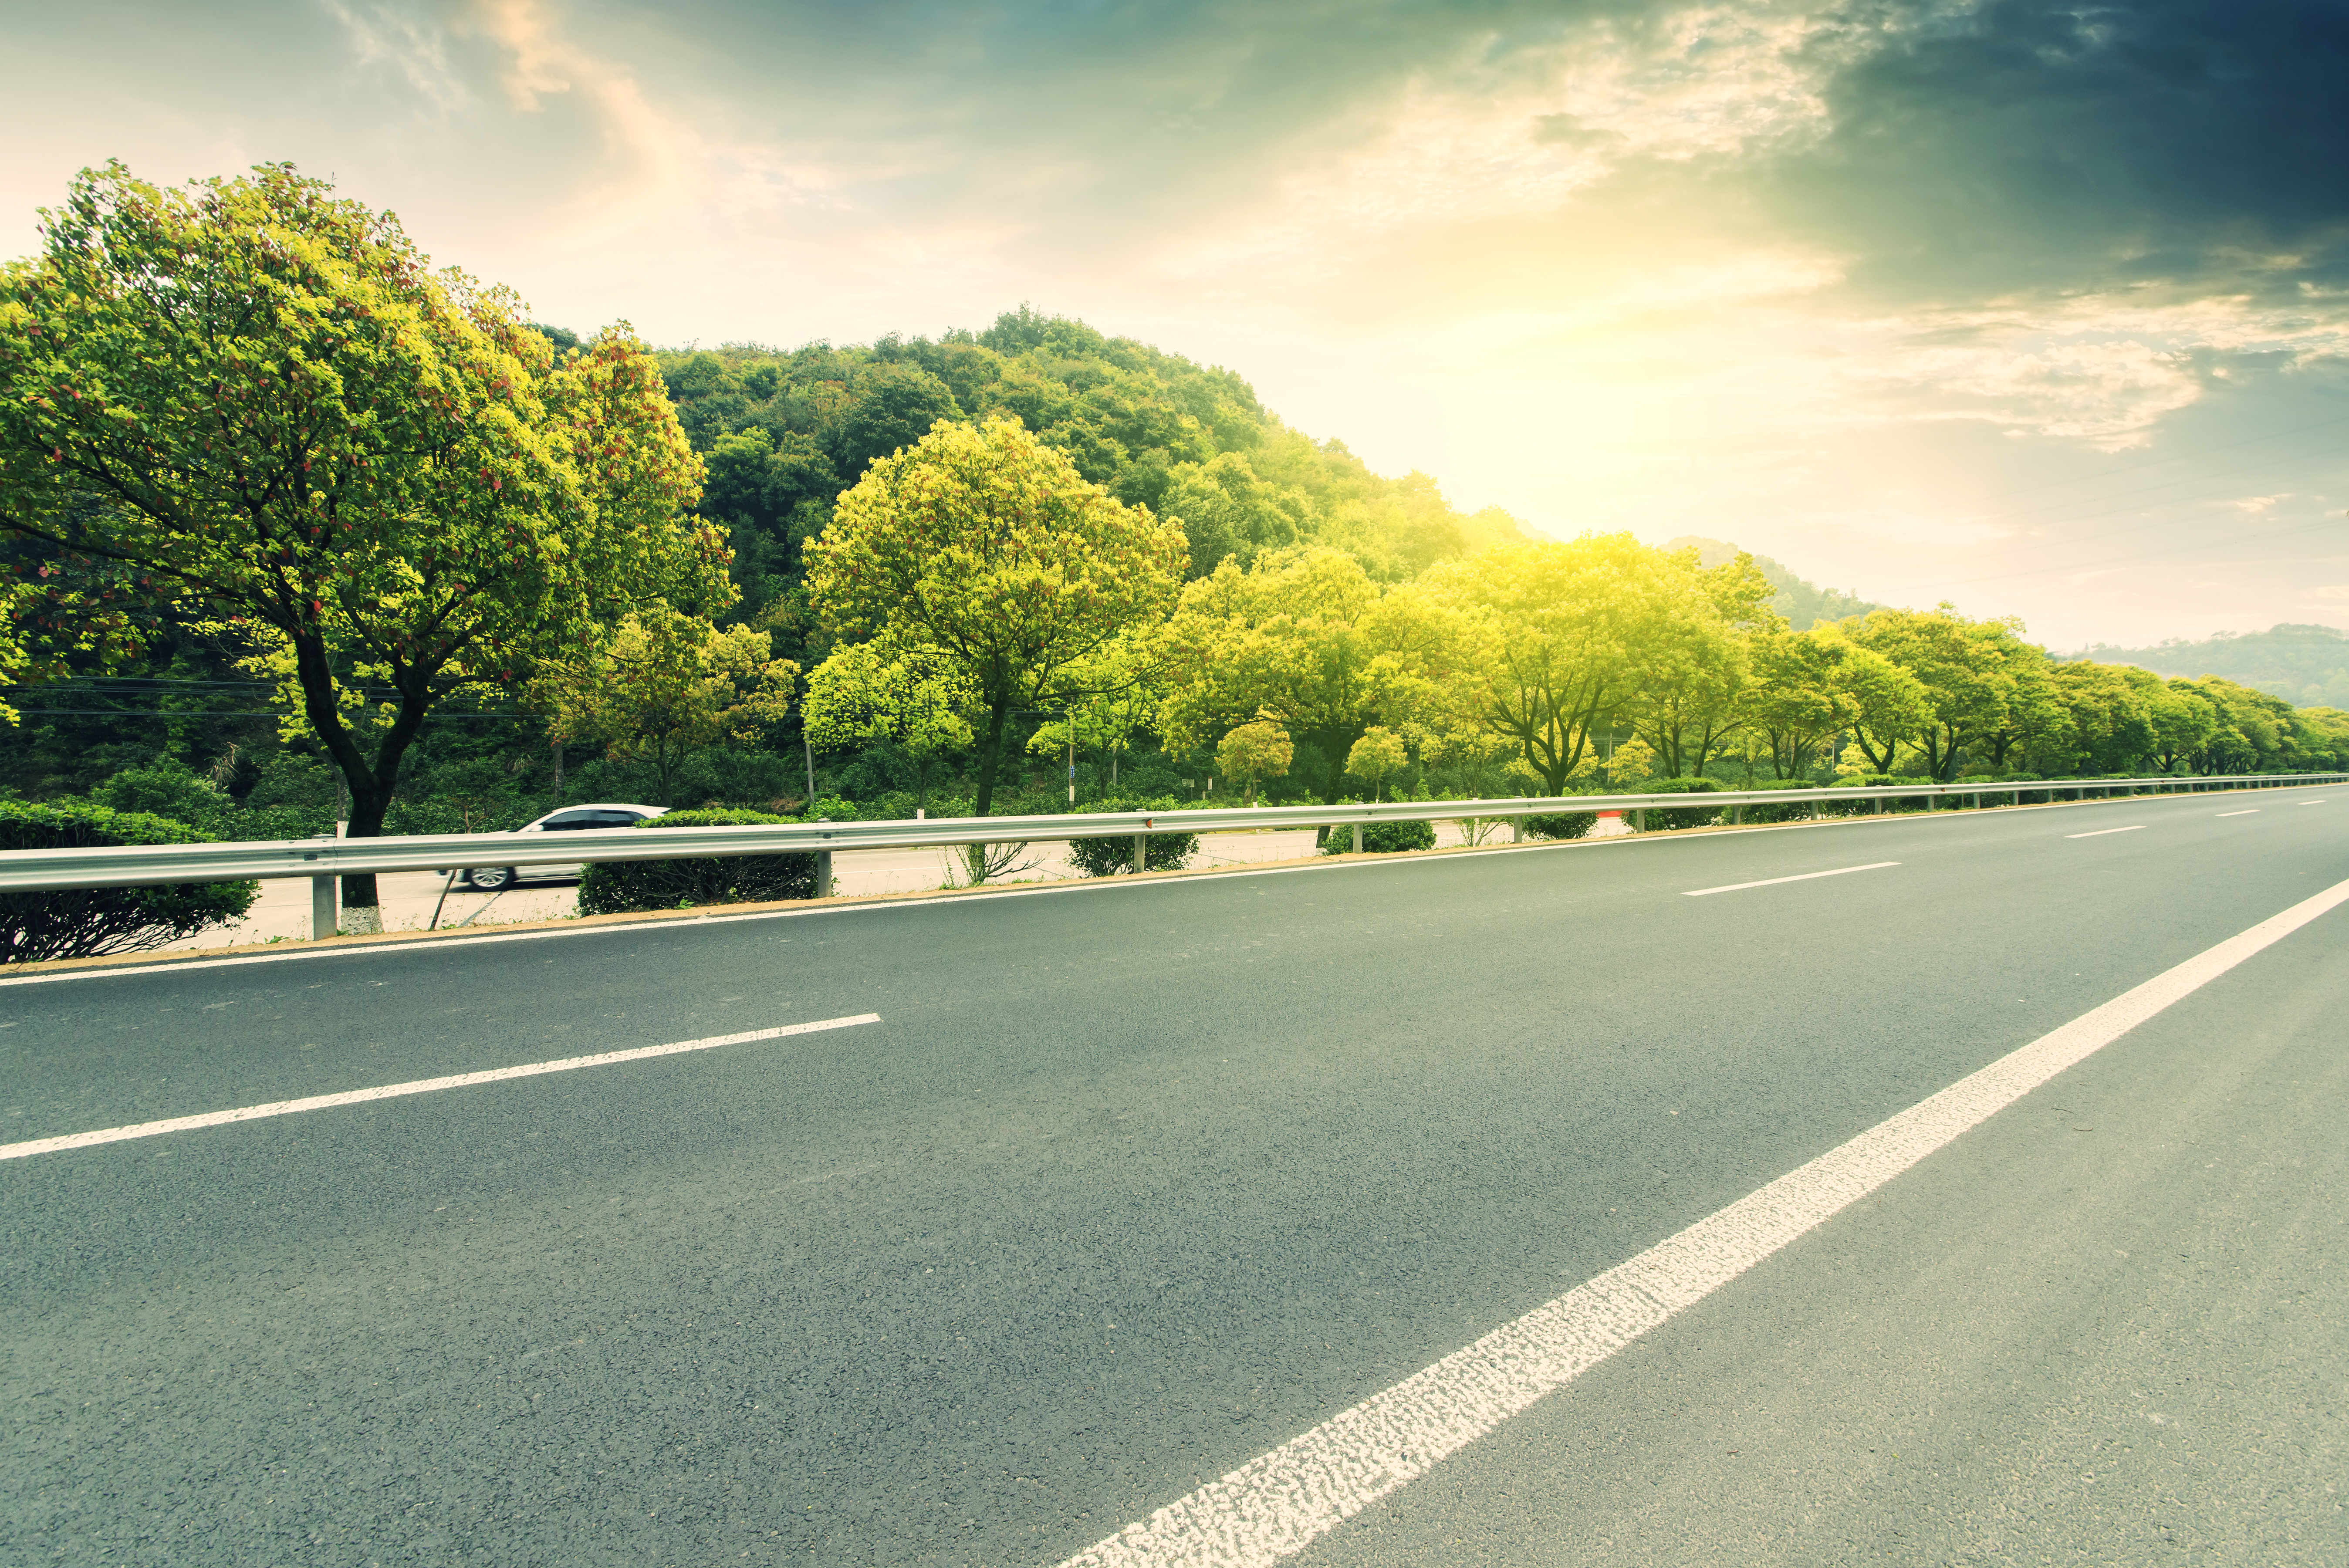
x: 1662, y: 817
x: 94, y: 923
x: 613, y: 887
x: 167, y: 789
x: 1382, y: 838
x: 1887, y: 803
x: 1792, y: 811
x: 1561, y: 824
x: 1113, y: 854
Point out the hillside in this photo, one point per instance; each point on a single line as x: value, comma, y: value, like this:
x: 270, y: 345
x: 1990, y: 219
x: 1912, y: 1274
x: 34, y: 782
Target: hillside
x: 1803, y: 602
x: 2306, y: 665
x: 784, y: 431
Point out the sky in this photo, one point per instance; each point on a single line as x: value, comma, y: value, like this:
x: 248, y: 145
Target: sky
x: 2040, y: 309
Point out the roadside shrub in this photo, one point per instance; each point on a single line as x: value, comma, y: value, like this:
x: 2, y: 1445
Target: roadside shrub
x: 1382, y: 838
x: 94, y: 923
x: 168, y: 788
x: 1662, y: 817
x: 1113, y: 855
x: 1792, y: 811
x: 1561, y: 824
x: 1872, y: 808
x: 613, y: 887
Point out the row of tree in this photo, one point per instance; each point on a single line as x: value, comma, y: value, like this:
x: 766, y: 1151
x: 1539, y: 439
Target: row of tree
x: 245, y: 415
x: 975, y: 575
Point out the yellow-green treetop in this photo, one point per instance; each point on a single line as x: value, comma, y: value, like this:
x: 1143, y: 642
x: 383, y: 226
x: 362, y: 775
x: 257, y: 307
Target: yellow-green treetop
x: 987, y: 546
x: 254, y: 396
x: 666, y: 685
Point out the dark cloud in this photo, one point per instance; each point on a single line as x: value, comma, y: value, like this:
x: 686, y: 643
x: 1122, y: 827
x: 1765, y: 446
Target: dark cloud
x: 2200, y: 144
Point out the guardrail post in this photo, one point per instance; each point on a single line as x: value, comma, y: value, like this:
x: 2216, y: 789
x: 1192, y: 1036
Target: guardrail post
x: 1140, y: 843
x: 1358, y: 837
x: 823, y: 873
x: 1639, y: 818
x: 1517, y: 826
x: 322, y: 907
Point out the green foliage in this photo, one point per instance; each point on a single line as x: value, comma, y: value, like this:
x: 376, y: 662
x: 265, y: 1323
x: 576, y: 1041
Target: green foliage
x: 611, y: 887
x: 258, y: 403
x: 2305, y: 665
x: 92, y: 922
x: 1664, y: 817
x: 1802, y: 604
x: 983, y: 550
x: 165, y: 788
x: 1561, y: 824
x: 1792, y: 811
x: 1381, y: 839
x: 1113, y: 855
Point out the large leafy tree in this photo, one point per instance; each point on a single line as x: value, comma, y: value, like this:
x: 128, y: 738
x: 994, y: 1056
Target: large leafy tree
x: 987, y: 547
x: 1986, y: 687
x: 1697, y: 689
x: 1306, y: 639
x: 667, y: 685
x: 254, y: 399
x: 1798, y: 697
x: 1576, y: 630
x: 917, y: 701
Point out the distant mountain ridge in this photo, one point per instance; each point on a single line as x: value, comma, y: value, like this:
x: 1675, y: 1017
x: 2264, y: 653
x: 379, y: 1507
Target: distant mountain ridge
x: 1803, y: 602
x: 2308, y: 666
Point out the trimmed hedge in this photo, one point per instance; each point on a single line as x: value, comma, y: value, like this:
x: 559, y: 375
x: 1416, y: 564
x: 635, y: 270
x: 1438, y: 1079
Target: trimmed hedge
x: 96, y: 923
x: 617, y: 886
x: 1112, y: 854
x: 1561, y: 824
x: 1381, y: 839
x: 1792, y: 811
x: 1893, y: 803
x: 1664, y: 817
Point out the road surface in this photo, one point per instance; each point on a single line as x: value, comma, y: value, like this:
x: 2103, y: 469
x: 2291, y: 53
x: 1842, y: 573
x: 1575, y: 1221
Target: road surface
x: 1131, y: 1184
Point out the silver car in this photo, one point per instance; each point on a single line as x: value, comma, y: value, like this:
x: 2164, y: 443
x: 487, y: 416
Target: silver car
x: 568, y: 820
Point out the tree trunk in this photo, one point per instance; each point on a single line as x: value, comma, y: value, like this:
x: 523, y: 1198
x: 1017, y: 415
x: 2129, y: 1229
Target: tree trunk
x: 990, y: 754
x: 371, y: 787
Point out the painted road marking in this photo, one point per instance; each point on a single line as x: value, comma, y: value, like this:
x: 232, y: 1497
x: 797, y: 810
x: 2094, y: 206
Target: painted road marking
x: 1279, y: 1502
x: 420, y: 1086
x: 2100, y: 832
x: 2252, y: 812
x: 1774, y: 881
x: 2308, y: 802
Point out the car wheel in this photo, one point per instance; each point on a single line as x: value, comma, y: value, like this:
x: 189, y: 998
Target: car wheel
x: 491, y: 879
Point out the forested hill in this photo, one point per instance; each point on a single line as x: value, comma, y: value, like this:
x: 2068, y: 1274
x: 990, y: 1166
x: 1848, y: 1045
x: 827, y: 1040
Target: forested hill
x: 785, y: 431
x: 1804, y: 603
x: 2307, y: 664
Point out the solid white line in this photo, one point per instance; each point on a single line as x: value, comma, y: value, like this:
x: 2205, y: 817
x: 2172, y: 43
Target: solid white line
x: 1774, y: 881
x: 420, y: 1086
x: 1277, y: 1503
x: 2253, y: 811
x: 2100, y: 832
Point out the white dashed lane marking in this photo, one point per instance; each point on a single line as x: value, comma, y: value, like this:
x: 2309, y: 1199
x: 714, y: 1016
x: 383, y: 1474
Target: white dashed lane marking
x: 2100, y: 832
x: 420, y: 1086
x: 1774, y: 881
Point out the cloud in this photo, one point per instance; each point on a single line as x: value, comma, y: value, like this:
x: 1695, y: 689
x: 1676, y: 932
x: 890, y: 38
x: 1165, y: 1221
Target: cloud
x: 2015, y: 147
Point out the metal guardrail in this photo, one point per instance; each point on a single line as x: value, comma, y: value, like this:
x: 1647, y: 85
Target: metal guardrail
x: 25, y: 870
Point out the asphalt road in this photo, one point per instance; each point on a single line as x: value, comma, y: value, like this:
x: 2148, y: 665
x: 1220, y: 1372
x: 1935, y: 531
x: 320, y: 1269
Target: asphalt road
x: 1133, y: 1183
